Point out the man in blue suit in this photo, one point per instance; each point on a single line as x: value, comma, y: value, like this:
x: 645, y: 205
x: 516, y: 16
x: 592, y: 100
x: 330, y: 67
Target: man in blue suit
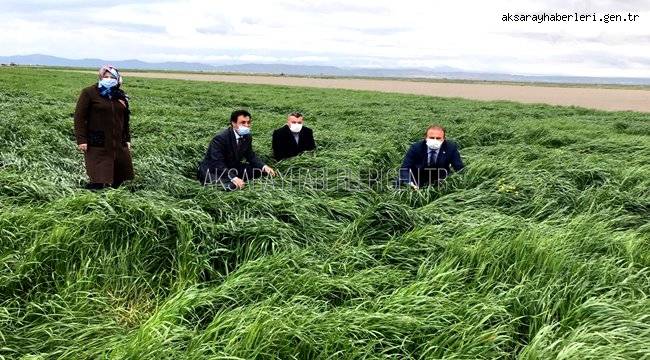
x: 429, y: 161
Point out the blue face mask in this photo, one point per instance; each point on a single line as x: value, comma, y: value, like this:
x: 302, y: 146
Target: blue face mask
x: 243, y: 130
x: 108, y: 83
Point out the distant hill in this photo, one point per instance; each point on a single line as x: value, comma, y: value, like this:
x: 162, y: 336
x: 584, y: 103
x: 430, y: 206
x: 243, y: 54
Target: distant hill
x: 443, y: 72
x: 47, y: 60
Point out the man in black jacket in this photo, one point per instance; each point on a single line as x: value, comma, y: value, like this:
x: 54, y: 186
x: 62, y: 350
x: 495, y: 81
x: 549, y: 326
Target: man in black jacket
x: 223, y: 164
x: 429, y: 161
x: 293, y: 138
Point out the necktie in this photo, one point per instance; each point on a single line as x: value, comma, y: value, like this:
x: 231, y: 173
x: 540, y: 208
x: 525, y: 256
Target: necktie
x: 239, y: 144
x: 432, y: 157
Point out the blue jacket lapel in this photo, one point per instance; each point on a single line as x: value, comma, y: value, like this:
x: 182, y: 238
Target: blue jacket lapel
x: 442, y: 155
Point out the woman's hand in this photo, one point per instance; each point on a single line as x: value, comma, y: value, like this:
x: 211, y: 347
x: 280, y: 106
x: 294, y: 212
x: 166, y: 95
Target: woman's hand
x: 82, y: 147
x: 128, y: 145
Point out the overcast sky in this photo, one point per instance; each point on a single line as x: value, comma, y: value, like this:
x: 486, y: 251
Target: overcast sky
x: 464, y: 34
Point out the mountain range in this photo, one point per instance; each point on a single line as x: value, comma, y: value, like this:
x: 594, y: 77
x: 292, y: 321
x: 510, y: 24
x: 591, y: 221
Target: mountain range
x: 443, y: 72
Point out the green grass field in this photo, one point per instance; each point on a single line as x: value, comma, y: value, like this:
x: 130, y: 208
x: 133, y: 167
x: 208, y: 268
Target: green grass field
x: 539, y: 250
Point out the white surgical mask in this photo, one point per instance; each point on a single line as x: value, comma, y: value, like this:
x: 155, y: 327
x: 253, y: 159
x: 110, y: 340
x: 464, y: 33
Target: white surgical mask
x: 295, y: 128
x: 434, y: 144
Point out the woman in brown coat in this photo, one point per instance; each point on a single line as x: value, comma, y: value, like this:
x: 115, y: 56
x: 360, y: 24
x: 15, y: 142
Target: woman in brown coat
x: 101, y: 127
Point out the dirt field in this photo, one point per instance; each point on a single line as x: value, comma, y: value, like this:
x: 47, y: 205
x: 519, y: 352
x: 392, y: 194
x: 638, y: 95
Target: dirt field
x: 589, y: 97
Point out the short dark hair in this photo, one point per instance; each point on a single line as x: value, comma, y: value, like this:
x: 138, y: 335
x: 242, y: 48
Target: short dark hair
x: 296, y: 114
x: 237, y: 113
x: 437, y: 127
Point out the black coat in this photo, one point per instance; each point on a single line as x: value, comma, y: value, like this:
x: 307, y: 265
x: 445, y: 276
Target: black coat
x: 284, y: 145
x: 415, y: 168
x: 224, y: 154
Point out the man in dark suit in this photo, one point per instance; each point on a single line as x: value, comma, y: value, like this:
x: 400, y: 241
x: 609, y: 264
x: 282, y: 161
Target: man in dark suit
x: 223, y: 164
x: 293, y: 138
x: 429, y: 161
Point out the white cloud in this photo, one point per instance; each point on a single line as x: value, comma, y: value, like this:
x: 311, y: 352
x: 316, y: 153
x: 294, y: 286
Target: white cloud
x: 463, y: 34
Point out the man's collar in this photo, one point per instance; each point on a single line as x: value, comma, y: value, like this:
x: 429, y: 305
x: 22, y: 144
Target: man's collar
x: 237, y: 136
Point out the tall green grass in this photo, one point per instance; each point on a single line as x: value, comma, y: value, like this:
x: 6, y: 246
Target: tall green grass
x: 539, y: 250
